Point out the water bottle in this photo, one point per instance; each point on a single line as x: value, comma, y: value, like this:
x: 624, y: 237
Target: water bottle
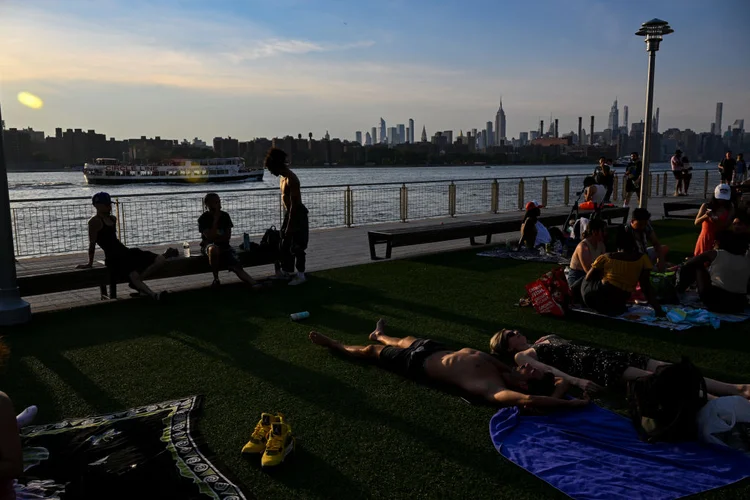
x: 186, y: 249
x: 245, y: 241
x: 299, y: 316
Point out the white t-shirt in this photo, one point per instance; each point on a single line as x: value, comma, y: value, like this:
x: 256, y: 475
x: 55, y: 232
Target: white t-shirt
x: 601, y: 192
x: 542, y: 235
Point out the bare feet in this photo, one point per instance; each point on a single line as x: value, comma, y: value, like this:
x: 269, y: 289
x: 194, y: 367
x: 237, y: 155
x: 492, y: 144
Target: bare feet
x: 321, y: 340
x: 379, y: 329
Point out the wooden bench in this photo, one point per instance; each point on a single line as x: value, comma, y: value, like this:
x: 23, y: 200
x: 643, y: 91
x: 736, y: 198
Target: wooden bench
x: 78, y: 279
x: 670, y: 207
x: 470, y: 229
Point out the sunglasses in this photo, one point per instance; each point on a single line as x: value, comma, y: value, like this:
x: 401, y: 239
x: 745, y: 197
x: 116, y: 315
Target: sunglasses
x: 511, y: 334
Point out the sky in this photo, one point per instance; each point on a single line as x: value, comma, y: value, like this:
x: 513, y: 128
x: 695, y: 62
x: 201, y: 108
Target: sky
x: 244, y: 68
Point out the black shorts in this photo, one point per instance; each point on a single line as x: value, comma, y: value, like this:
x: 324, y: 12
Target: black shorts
x: 227, y: 255
x: 677, y: 174
x: 132, y: 259
x: 409, y: 362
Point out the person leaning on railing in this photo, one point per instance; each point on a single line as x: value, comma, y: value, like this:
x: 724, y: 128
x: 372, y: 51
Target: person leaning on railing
x: 131, y: 264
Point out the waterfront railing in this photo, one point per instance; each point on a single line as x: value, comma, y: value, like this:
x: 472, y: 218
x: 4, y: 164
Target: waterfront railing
x: 47, y: 226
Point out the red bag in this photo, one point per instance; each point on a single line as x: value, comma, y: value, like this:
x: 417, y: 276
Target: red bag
x: 550, y: 294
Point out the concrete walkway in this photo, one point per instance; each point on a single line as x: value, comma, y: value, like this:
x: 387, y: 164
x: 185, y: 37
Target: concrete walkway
x: 328, y: 249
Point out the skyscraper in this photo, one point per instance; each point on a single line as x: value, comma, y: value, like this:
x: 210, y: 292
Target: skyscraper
x: 655, y: 123
x: 408, y: 135
x: 411, y: 131
x: 719, y: 109
x: 358, y: 136
x: 625, y: 113
x: 392, y: 135
x: 614, y: 118
x: 449, y: 136
x: 368, y: 139
x: 374, y: 134
x: 580, y: 127
x: 383, y: 132
x: 401, y: 133
x: 424, y: 134
x: 490, y: 135
x: 523, y: 138
x: 500, y: 124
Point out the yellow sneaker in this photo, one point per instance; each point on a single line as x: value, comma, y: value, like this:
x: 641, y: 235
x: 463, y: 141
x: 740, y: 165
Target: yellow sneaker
x: 257, y: 443
x: 280, y: 444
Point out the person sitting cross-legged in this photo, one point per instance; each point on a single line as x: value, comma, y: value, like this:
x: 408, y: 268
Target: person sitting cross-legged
x: 476, y: 373
x: 590, y: 368
x: 722, y: 275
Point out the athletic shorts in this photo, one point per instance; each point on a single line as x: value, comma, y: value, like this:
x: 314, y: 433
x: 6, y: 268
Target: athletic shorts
x: 132, y: 259
x: 227, y: 254
x: 409, y: 361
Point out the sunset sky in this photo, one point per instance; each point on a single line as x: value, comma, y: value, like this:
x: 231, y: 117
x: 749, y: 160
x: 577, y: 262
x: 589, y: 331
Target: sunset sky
x: 249, y: 69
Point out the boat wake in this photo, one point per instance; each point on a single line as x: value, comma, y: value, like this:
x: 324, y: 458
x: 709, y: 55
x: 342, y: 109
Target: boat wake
x: 41, y: 185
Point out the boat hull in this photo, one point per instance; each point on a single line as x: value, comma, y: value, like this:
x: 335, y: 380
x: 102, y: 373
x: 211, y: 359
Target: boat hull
x: 148, y: 179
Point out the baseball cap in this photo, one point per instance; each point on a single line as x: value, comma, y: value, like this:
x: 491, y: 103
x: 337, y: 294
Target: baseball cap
x: 101, y: 198
x: 533, y: 204
x: 723, y: 192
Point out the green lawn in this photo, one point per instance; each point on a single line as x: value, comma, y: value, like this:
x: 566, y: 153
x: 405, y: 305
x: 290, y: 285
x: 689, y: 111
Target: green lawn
x: 362, y: 432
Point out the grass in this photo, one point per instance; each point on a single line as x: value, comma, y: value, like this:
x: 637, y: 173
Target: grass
x: 363, y: 432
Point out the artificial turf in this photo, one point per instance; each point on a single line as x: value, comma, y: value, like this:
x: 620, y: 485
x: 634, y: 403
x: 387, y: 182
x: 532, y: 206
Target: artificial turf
x: 362, y: 432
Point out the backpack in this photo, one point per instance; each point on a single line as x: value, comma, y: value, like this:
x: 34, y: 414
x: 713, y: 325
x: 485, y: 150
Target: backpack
x: 664, y: 287
x: 664, y: 405
x: 271, y: 241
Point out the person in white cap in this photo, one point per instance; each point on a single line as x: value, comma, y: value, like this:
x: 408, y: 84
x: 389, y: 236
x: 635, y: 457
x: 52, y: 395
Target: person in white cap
x: 714, y: 216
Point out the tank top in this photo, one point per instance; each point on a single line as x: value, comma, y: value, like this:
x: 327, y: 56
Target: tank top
x: 730, y: 272
x: 107, y: 240
x: 595, y: 251
x: 601, y: 192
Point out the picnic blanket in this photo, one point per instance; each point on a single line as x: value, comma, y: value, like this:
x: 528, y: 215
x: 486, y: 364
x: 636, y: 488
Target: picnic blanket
x: 592, y: 453
x: 678, y: 318
x: 526, y: 254
x: 146, y: 452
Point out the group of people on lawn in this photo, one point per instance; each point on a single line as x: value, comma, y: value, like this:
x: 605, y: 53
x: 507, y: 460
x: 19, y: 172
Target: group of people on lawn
x: 215, y: 228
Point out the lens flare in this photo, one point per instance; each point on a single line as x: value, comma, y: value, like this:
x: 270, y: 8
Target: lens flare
x: 30, y: 100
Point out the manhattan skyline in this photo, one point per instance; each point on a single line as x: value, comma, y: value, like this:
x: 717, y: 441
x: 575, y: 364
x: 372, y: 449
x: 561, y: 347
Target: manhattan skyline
x: 254, y: 69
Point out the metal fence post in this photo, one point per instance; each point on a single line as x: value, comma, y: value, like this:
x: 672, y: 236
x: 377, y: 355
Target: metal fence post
x: 403, y: 202
x: 705, y: 184
x: 495, y: 202
x: 544, y: 192
x: 452, y: 199
x: 650, y: 185
x: 16, y: 236
x: 520, y: 194
x: 567, y: 191
x: 658, y: 179
x: 625, y: 187
x: 664, y: 189
x: 614, y: 188
x: 117, y: 218
x: 348, y: 206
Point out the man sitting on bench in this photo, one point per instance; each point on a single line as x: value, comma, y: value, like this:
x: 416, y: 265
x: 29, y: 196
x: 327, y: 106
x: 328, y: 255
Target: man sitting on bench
x: 475, y: 372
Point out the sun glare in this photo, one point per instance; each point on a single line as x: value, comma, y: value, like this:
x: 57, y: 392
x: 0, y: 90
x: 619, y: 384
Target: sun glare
x: 30, y: 100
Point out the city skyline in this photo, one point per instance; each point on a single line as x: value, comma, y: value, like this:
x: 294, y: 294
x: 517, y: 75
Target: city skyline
x: 253, y: 69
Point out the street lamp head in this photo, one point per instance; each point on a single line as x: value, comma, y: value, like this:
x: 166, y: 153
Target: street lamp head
x: 654, y: 30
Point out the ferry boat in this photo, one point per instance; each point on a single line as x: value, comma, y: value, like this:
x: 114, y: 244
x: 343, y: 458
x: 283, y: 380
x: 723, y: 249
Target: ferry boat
x: 112, y: 171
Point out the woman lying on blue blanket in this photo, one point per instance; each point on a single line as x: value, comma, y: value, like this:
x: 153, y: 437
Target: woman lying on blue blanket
x: 590, y: 368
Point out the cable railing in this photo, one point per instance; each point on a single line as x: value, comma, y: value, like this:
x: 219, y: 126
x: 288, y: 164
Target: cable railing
x: 47, y: 226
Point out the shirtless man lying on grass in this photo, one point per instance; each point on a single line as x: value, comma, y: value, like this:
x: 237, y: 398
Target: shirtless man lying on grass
x: 476, y: 373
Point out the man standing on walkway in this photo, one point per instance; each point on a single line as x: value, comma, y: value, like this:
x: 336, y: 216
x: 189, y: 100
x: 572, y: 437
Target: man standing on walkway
x: 633, y: 178
x: 295, y: 231
x: 726, y: 167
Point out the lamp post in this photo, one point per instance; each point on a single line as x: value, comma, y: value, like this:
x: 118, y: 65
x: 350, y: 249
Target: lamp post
x: 13, y: 310
x: 654, y: 30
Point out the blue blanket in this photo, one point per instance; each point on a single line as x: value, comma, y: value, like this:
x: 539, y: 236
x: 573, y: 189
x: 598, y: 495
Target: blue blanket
x: 593, y: 453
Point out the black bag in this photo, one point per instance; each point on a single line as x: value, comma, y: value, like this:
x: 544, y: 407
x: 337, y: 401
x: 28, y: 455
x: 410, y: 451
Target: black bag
x: 271, y: 242
x: 664, y: 405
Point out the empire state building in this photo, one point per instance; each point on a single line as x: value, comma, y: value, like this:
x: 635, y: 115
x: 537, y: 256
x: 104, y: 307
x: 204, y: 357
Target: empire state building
x: 500, y: 124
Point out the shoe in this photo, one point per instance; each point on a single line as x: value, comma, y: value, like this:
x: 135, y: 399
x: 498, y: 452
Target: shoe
x: 280, y: 444
x: 298, y: 280
x: 257, y: 443
x: 215, y: 283
x: 281, y: 275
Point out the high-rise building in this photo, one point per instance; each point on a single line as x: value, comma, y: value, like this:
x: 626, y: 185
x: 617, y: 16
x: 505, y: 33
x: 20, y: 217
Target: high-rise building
x: 523, y: 138
x: 424, y: 134
x: 591, y: 131
x: 374, y: 134
x: 500, y: 124
x: 411, y: 131
x: 490, y: 135
x: 482, y: 139
x: 580, y: 129
x: 475, y: 134
x: 448, y: 134
x: 392, y: 135
x: 713, y: 128
x: 368, y: 139
x: 739, y: 125
x: 401, y: 133
x: 719, y: 109
x: 408, y: 135
x: 614, y: 118
x: 533, y: 134
x: 655, y: 123
x: 383, y: 132
x: 625, y: 115
x: 358, y: 136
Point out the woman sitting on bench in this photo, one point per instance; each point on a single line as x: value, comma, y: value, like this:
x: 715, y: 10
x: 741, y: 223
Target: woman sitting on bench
x: 215, y: 227
x: 535, y: 234
x: 126, y: 264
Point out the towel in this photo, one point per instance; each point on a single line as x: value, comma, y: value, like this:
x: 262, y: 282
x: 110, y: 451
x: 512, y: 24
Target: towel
x: 592, y: 453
